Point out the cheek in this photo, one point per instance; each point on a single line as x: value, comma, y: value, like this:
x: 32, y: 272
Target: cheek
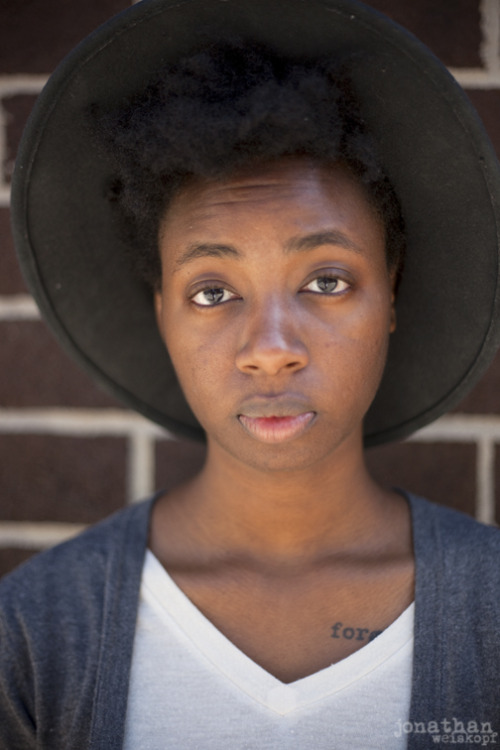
x: 357, y: 350
x: 200, y: 362
x: 374, y: 353
x: 374, y: 329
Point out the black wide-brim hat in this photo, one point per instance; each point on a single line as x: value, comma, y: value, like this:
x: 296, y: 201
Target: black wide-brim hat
x: 432, y: 146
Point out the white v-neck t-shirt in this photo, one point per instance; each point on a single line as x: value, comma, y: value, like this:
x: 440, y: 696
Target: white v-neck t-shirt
x: 192, y: 689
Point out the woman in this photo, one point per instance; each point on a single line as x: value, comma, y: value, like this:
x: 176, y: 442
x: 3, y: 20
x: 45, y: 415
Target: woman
x: 265, y: 179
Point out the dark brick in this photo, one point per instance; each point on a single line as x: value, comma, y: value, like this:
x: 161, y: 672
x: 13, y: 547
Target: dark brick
x: 37, y: 34
x: 485, y: 397
x: 442, y: 472
x: 11, y: 280
x: 59, y: 478
x: 487, y: 103
x: 177, y: 460
x: 450, y: 28
x: 35, y: 371
x: 11, y: 557
x: 17, y: 110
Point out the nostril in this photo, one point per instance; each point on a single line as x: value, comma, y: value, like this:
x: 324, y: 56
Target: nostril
x: 270, y: 354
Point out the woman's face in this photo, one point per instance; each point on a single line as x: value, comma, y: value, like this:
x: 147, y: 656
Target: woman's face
x: 276, y: 307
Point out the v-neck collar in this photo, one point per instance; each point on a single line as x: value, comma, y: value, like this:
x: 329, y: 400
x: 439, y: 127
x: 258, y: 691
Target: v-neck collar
x: 246, y: 675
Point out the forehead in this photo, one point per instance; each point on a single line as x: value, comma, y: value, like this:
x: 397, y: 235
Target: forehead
x: 272, y: 201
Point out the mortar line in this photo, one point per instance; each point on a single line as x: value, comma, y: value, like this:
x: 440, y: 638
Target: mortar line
x: 22, y: 83
x: 460, y: 428
x: 485, y: 481
x: 18, y: 307
x: 490, y: 34
x: 140, y: 483
x: 476, y: 78
x: 36, y: 534
x: 77, y: 422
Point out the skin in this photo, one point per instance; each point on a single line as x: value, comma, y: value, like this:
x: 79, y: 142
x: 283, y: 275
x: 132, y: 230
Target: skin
x: 283, y: 533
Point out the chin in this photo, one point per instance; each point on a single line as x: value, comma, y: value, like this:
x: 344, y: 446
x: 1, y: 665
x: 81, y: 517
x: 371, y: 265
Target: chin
x: 287, y: 457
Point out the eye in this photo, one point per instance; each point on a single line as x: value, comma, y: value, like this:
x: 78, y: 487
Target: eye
x: 212, y: 296
x: 327, y: 284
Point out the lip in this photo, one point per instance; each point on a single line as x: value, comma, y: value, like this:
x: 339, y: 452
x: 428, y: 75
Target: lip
x: 277, y: 428
x: 275, y: 405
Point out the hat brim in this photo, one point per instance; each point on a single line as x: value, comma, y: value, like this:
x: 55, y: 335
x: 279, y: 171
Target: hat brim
x: 433, y: 148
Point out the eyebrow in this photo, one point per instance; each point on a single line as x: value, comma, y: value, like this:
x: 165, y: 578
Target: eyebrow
x: 295, y: 244
x: 311, y: 241
x: 206, y: 249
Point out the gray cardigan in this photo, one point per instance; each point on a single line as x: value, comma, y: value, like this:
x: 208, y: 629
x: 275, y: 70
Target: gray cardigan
x: 67, y: 620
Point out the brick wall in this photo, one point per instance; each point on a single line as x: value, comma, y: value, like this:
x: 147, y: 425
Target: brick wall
x: 69, y: 454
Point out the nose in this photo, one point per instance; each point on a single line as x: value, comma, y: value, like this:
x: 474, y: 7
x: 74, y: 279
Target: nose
x: 271, y: 342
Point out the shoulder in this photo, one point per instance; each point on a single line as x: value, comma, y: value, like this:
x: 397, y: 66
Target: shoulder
x: 77, y: 569
x: 460, y: 551
x: 67, y: 621
x: 457, y: 595
x: 440, y: 523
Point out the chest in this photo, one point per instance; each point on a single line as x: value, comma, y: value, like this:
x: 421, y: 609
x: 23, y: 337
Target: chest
x: 217, y: 697
x: 293, y: 626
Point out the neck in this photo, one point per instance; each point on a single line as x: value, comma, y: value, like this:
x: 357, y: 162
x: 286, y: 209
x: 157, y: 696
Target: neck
x: 332, y: 507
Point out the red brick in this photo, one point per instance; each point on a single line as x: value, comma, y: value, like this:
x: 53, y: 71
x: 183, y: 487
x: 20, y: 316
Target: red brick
x: 17, y: 110
x: 37, y: 34
x: 36, y: 372
x: 176, y: 461
x: 487, y: 104
x: 59, y: 478
x: 11, y: 280
x: 442, y: 472
x: 485, y: 397
x: 450, y: 28
x: 11, y: 557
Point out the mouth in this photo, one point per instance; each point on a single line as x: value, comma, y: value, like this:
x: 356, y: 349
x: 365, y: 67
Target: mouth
x: 275, y: 428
